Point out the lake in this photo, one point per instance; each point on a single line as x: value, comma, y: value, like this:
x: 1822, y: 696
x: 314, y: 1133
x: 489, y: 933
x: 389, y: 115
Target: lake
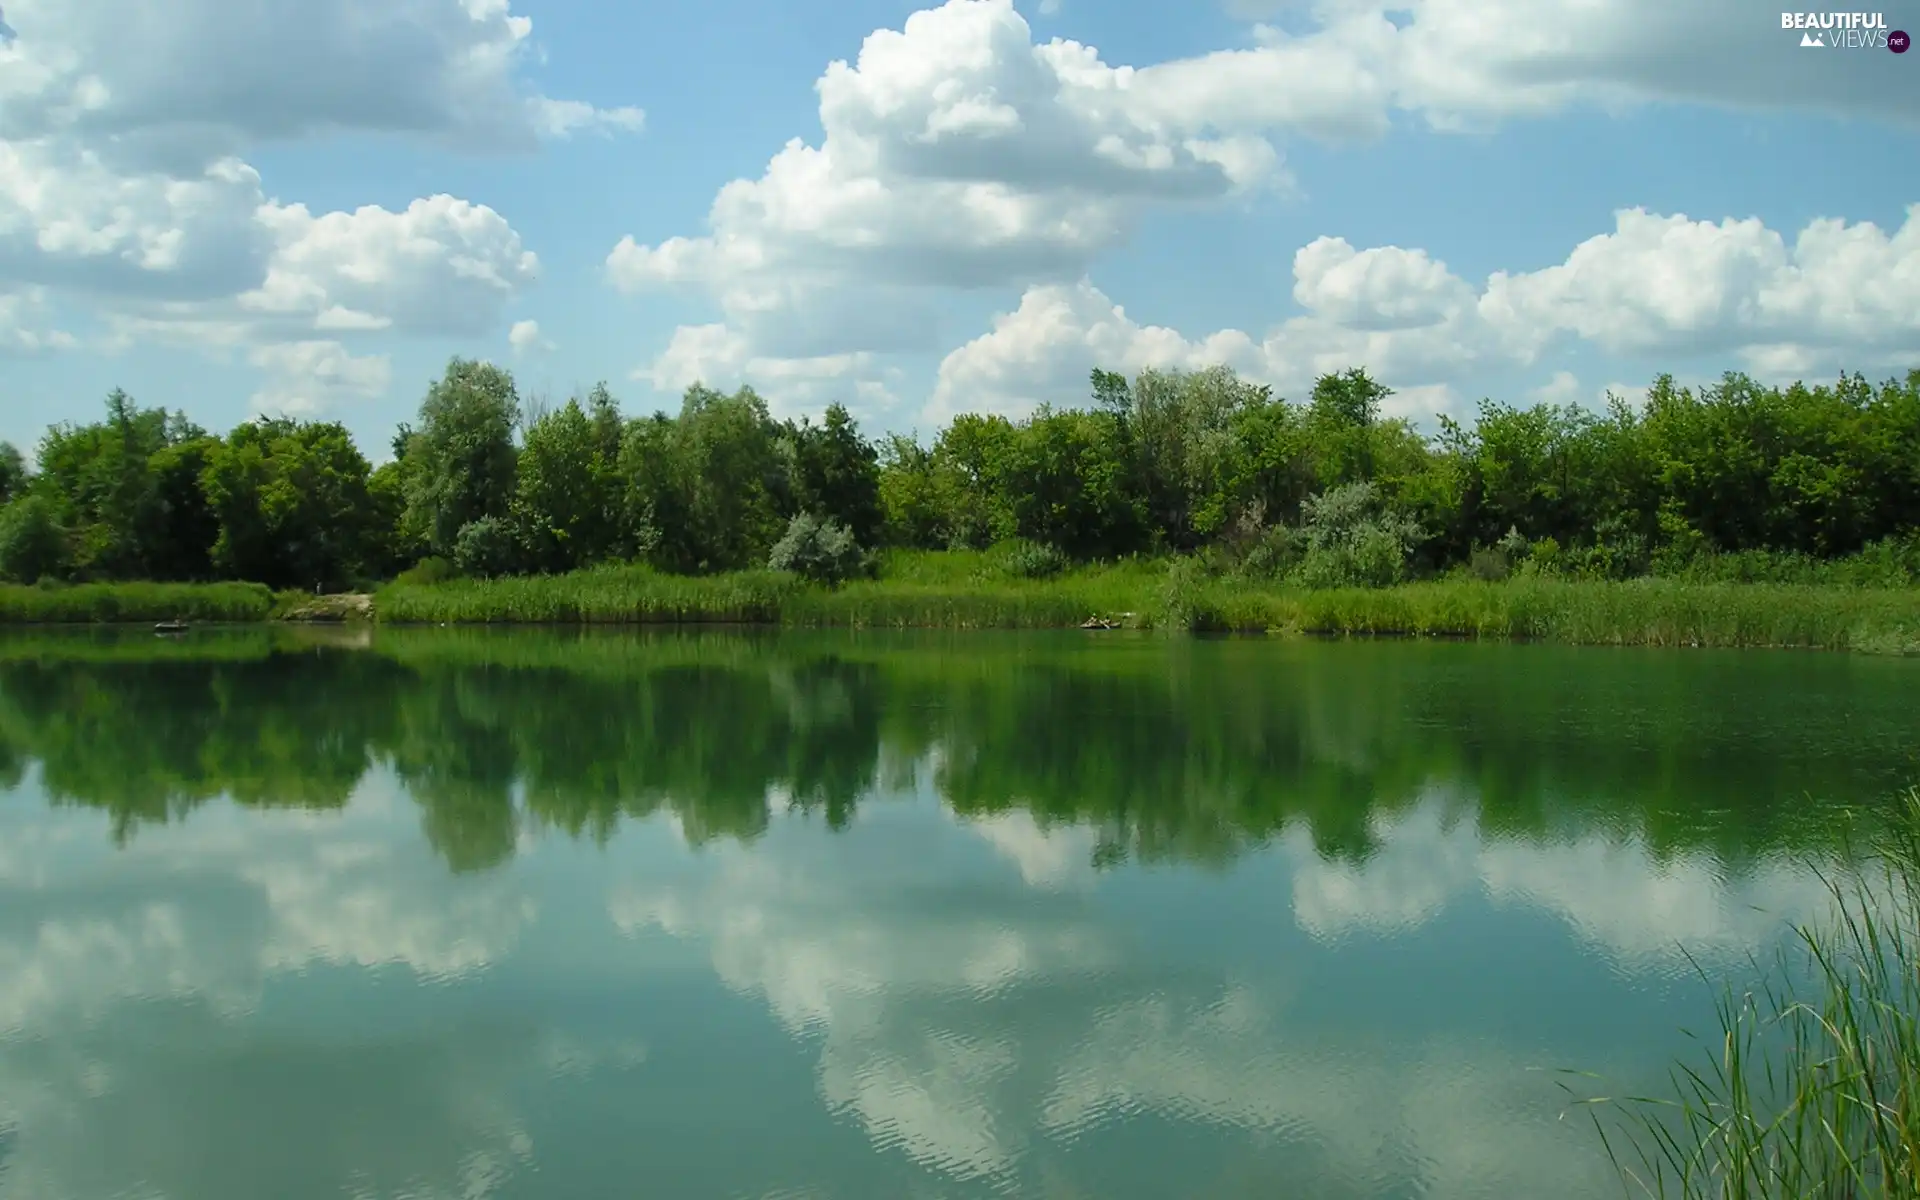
x: 443, y: 913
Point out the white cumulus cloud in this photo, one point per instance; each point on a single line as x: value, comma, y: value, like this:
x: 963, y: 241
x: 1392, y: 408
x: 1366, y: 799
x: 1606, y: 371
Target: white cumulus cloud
x: 125, y: 190
x: 959, y: 152
x: 1836, y: 296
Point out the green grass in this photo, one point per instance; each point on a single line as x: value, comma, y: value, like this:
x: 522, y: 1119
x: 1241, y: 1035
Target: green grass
x: 609, y: 595
x: 983, y: 590
x: 1645, y: 612
x: 1811, y: 1086
x: 100, y: 603
x: 976, y: 590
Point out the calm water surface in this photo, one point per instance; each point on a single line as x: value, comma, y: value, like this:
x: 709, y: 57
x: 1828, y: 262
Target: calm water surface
x: 444, y: 914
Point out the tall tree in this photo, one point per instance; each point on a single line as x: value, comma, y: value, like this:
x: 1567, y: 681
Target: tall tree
x: 293, y: 504
x: 462, y: 458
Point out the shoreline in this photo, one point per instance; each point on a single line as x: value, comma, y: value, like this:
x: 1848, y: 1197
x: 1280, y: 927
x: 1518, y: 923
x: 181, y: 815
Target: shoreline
x: 1644, y: 612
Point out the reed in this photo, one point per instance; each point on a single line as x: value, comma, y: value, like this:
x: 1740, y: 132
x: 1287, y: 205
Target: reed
x: 102, y: 603
x: 610, y: 595
x: 1811, y: 1090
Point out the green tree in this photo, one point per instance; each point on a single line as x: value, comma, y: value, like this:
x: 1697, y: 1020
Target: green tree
x: 1065, y: 483
x: 731, y: 473
x: 461, y: 460
x: 13, y: 472
x: 1343, y: 411
x: 836, y: 474
x: 293, y: 504
x: 971, y: 460
x: 33, y: 546
x: 560, y: 508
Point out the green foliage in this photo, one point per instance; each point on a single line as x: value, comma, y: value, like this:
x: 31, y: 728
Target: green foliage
x: 1353, y: 539
x: 462, y: 460
x: 292, y: 503
x: 426, y: 572
x: 602, y: 595
x: 1035, y: 560
x: 563, y: 509
x: 33, y: 546
x: 13, y: 472
x: 836, y: 473
x: 819, y: 550
x: 486, y: 548
x: 1731, y: 482
x: 89, y: 603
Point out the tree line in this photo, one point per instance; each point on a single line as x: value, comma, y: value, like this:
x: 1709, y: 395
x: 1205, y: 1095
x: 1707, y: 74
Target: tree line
x: 1326, y: 490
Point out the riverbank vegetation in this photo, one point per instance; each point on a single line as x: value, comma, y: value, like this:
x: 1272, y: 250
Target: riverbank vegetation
x: 1810, y: 1086
x: 1195, y: 499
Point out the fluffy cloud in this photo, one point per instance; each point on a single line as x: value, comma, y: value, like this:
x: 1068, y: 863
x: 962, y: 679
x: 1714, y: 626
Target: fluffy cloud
x: 959, y: 153
x: 1837, y: 296
x: 69, y: 219
x: 1347, y: 65
x: 123, y: 187
x: 312, y: 377
x: 525, y: 337
x: 720, y: 357
x: 442, y: 266
x: 201, y: 79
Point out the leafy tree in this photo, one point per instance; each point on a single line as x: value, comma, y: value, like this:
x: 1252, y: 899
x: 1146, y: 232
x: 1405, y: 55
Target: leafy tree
x: 13, y: 472
x: 730, y: 474
x: 293, y: 504
x: 560, y: 508
x: 836, y: 473
x: 912, y: 505
x: 1065, y: 484
x: 32, y: 543
x: 461, y: 460
x: 1344, y: 409
x: 971, y: 459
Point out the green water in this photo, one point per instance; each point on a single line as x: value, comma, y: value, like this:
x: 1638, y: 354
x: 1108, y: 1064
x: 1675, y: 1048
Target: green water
x: 448, y: 914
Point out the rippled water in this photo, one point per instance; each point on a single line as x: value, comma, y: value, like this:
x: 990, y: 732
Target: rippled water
x: 560, y: 915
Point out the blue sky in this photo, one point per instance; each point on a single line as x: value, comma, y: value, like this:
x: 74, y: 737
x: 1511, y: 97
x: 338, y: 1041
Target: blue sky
x: 307, y: 208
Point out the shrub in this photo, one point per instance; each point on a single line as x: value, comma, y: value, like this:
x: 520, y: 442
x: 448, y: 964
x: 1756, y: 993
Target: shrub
x: 819, y: 550
x: 485, y: 548
x: 1035, y: 560
x: 427, y: 572
x: 1354, y: 540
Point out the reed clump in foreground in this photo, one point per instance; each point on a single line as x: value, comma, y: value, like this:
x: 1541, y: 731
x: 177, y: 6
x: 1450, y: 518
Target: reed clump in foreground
x: 1811, y: 1091
x: 102, y: 603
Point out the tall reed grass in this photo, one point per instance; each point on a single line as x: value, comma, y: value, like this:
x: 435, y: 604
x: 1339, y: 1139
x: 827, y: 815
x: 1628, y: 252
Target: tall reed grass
x: 974, y: 590
x: 1811, y: 1088
x: 1646, y: 612
x: 100, y: 603
x: 611, y: 595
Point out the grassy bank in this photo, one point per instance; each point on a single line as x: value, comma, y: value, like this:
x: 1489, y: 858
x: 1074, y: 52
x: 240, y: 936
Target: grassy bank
x: 980, y: 590
x: 100, y: 603
x: 973, y: 591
